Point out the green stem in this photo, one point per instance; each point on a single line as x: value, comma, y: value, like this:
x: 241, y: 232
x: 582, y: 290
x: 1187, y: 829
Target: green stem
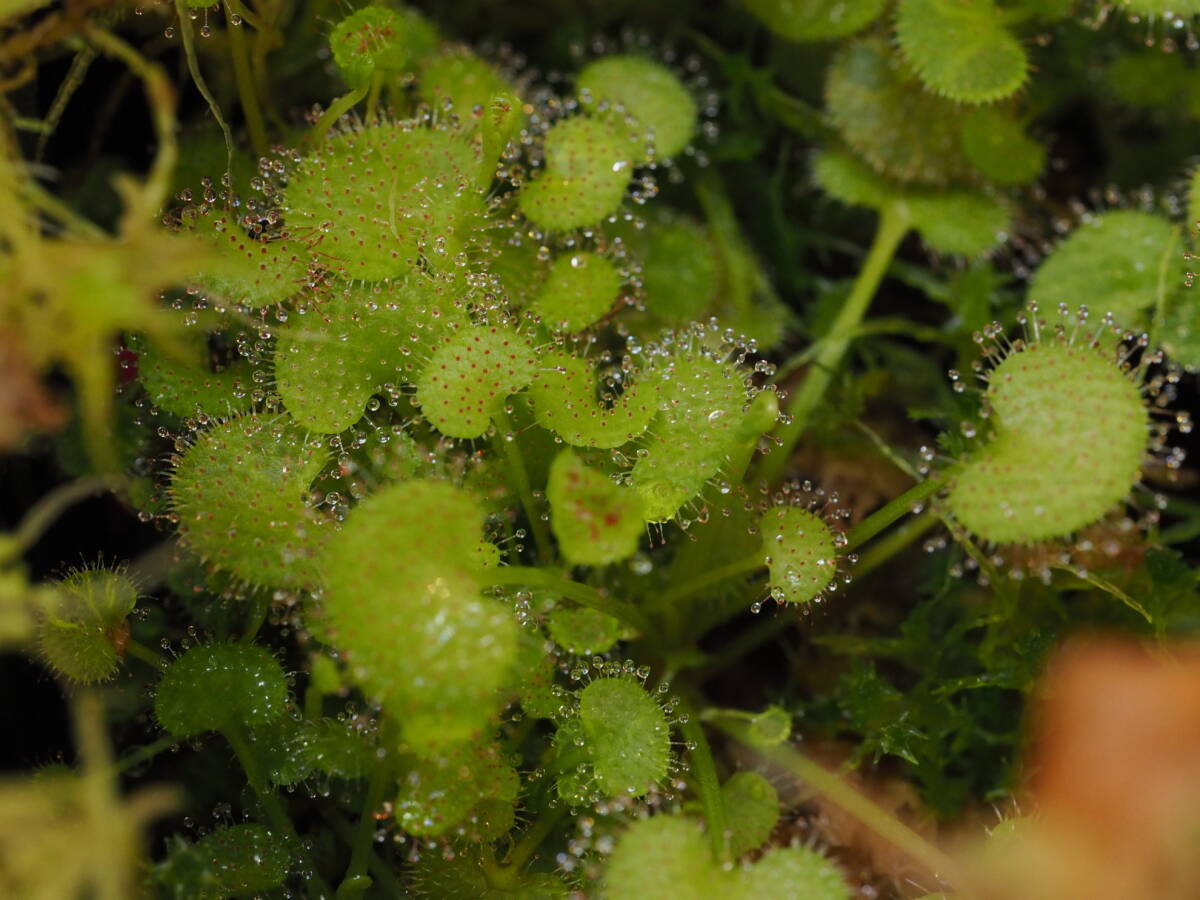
x: 193, y: 63
x: 708, y: 786
x: 337, y: 109
x: 583, y: 594
x: 260, y: 605
x: 504, y: 875
x: 140, y: 755
x: 893, y: 225
x: 373, y: 96
x: 506, y: 438
x: 886, y: 548
x: 277, y: 818
x: 313, y: 702
x: 71, y: 221
x: 356, y: 881
x: 376, y: 866
x: 161, y: 97
x: 48, y: 508
x: 247, y: 92
x: 711, y: 577
x: 895, y: 509
x: 837, y: 791
x: 1169, y: 255
x: 140, y: 651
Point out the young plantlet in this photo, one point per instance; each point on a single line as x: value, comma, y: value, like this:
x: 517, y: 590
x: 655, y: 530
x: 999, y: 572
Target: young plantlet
x: 459, y: 82
x: 1068, y: 431
x: 961, y: 51
x: 192, y: 388
x: 231, y: 861
x: 83, y: 636
x: 583, y: 631
x: 751, y: 811
x: 462, y: 875
x: 667, y: 858
x: 291, y: 750
x: 680, y: 269
x: 1114, y: 263
x: 361, y: 338
x: 379, y: 40
x: 816, y: 20
x: 250, y: 267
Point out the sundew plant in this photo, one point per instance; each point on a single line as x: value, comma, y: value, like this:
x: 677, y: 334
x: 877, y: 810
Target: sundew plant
x: 570, y: 450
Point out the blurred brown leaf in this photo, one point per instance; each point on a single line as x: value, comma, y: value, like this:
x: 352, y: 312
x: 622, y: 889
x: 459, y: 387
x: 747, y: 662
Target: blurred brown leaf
x: 25, y: 404
x: 1114, y: 776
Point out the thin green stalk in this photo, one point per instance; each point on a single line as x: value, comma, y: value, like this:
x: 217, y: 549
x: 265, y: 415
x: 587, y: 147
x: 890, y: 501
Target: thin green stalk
x: 893, y: 225
x: 505, y: 875
x: 247, y: 91
x: 141, y: 754
x: 709, y: 578
x: 48, y: 508
x: 140, y: 651
x: 895, y: 509
x: 373, y: 96
x: 887, y: 547
x: 841, y: 794
x: 583, y: 594
x: 260, y: 605
x: 376, y: 866
x: 193, y: 63
x: 161, y: 97
x: 71, y: 221
x: 1165, y: 261
x: 364, y: 836
x: 276, y: 816
x: 337, y: 109
x: 708, y: 785
x: 313, y: 702
x: 506, y: 438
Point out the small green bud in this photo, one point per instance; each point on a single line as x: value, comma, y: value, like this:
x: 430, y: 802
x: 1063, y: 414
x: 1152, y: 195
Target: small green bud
x: 800, y: 551
x: 82, y: 636
x: 378, y: 39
